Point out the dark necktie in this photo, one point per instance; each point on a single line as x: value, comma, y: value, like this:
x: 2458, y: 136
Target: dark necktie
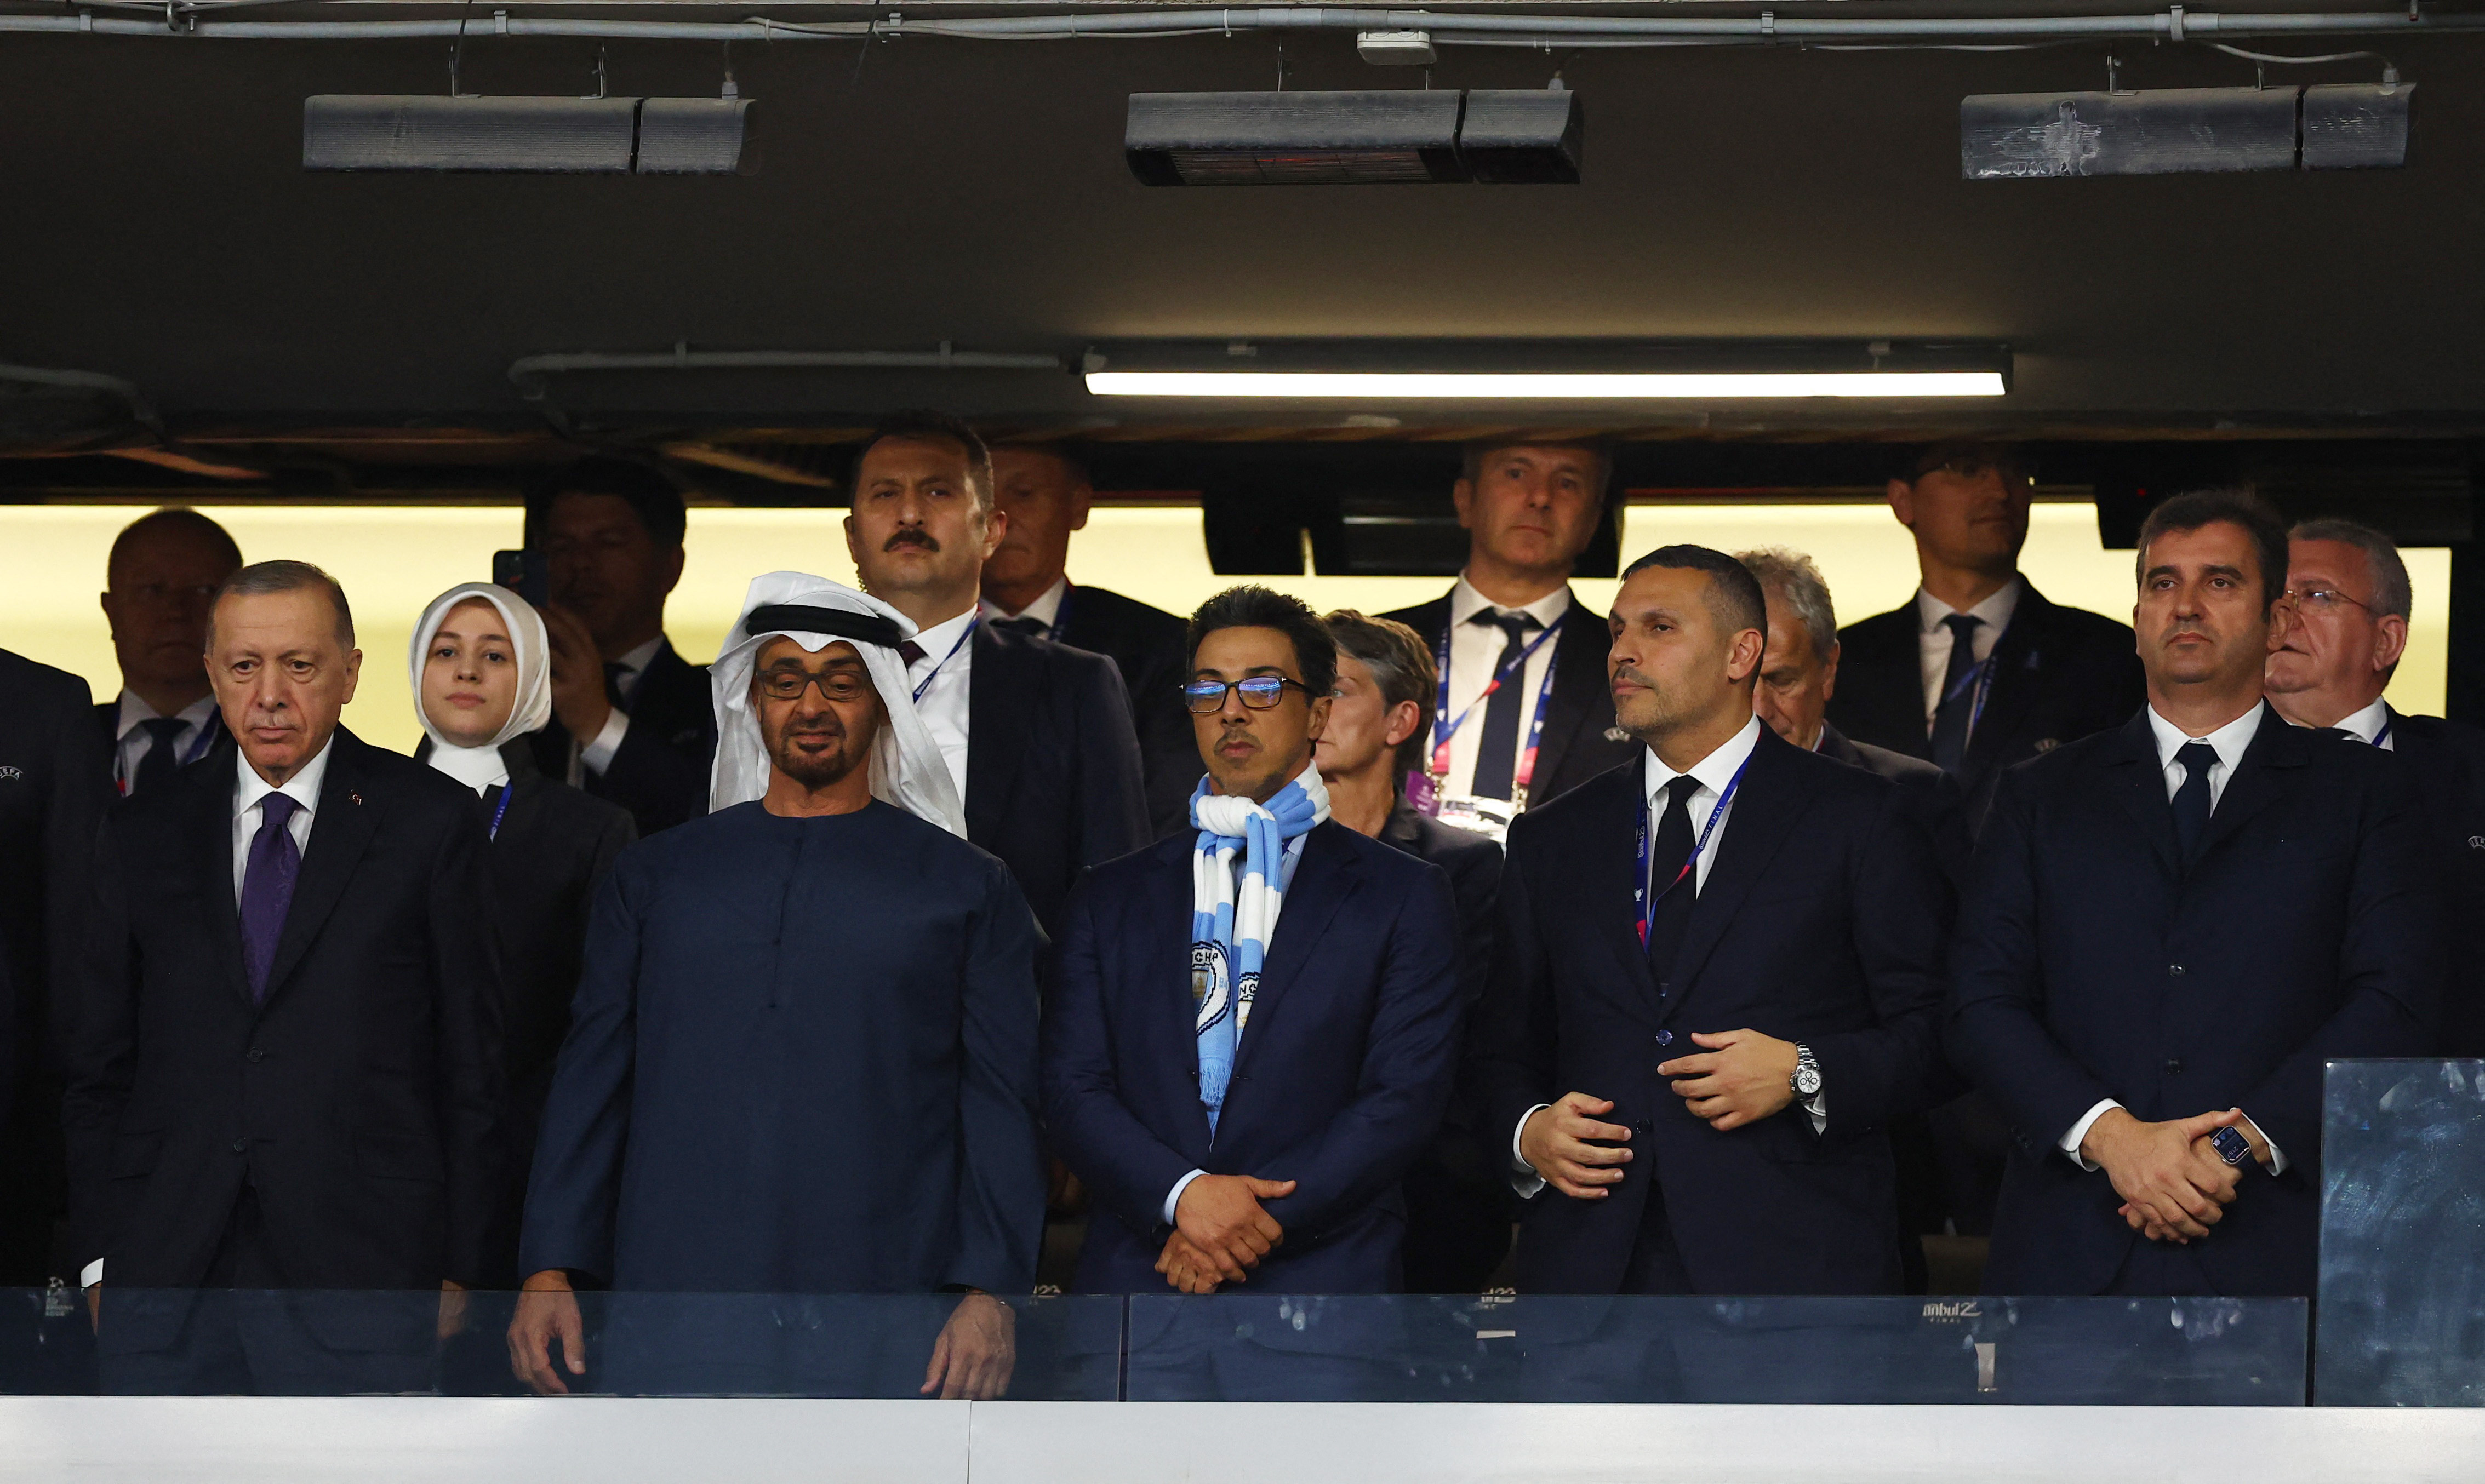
x: 1032, y: 628
x: 614, y: 687
x: 1497, y: 749
x: 267, y: 889
x: 1667, y: 854
x: 1956, y: 712
x: 155, y: 769
x: 2192, y: 799
x: 909, y: 653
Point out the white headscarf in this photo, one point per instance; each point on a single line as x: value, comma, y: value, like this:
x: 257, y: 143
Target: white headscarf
x: 479, y: 768
x: 906, y: 766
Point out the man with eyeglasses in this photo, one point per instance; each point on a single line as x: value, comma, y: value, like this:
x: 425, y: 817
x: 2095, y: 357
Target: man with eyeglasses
x: 793, y: 1127
x: 1979, y: 671
x: 1252, y: 1029
x: 159, y: 581
x: 2353, y: 601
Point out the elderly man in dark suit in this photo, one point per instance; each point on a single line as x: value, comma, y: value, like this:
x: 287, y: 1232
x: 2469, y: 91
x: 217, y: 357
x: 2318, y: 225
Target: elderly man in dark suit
x: 1715, y: 985
x: 1044, y: 494
x: 284, y: 1062
x: 2171, y: 926
x: 1525, y: 715
x: 163, y: 571
x: 1979, y: 671
x: 1037, y: 735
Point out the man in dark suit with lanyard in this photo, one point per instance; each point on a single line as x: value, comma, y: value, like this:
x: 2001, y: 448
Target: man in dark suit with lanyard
x: 1716, y: 983
x: 1523, y: 714
x: 632, y: 720
x: 1979, y: 671
x: 1044, y: 494
x: 164, y: 569
x: 2346, y: 633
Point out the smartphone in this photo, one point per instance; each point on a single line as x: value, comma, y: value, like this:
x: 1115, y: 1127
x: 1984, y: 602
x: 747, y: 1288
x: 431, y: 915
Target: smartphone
x: 521, y: 572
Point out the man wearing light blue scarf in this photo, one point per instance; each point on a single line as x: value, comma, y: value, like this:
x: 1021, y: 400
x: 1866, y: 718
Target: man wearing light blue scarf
x: 1254, y: 1129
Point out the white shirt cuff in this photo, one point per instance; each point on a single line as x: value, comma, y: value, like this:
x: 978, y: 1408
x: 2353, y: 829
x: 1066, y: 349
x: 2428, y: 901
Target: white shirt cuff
x: 597, y: 755
x: 1173, y: 1197
x: 2070, y: 1142
x: 92, y: 1275
x: 2277, y: 1157
x: 1818, y: 1106
x: 1523, y: 1177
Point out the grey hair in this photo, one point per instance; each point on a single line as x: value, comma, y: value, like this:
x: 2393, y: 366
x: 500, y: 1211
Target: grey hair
x: 2392, y: 593
x: 1806, y: 591
x: 258, y: 580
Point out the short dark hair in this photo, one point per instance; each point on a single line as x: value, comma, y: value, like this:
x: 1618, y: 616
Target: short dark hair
x: 1072, y: 456
x: 1400, y: 664
x: 653, y: 498
x: 1253, y: 607
x: 929, y: 426
x: 1473, y: 453
x: 2239, y: 506
x: 1925, y: 458
x: 260, y: 578
x: 171, y: 519
x: 1734, y: 598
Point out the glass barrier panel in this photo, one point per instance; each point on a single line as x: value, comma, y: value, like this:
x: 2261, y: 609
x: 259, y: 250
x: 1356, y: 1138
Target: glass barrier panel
x: 2402, y: 1235
x: 2154, y: 1352
x: 328, y: 1342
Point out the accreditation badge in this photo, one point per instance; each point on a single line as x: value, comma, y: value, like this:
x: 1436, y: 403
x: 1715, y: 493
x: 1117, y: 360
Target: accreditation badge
x: 1487, y: 816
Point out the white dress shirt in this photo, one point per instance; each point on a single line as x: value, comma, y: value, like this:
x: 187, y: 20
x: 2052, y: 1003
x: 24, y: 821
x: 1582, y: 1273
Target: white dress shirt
x: 2366, y: 726
x: 2229, y: 742
x: 133, y: 743
x: 1933, y: 640
x: 1046, y: 611
x: 597, y: 755
x: 250, y: 795
x: 943, y: 704
x: 1714, y: 772
x: 1474, y: 650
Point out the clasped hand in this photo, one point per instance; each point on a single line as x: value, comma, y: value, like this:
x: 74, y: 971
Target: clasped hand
x: 2174, y: 1186
x: 1221, y: 1232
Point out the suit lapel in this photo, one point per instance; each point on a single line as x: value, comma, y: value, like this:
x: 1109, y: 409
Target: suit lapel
x: 999, y: 705
x: 341, y: 831
x: 1881, y: 664
x: 1172, y: 1038
x: 1326, y: 877
x: 1766, y: 805
x: 2260, y: 776
x: 2018, y: 671
x: 2139, y: 784
x: 211, y: 829
x: 1578, y: 674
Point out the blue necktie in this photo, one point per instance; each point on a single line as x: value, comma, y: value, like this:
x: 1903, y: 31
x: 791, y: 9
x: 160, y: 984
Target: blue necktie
x: 2192, y: 799
x: 267, y: 889
x: 1955, y: 715
x: 1496, y: 765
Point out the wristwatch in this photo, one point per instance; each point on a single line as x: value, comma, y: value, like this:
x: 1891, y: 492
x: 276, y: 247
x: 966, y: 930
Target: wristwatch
x: 2231, y: 1146
x: 1806, y: 1080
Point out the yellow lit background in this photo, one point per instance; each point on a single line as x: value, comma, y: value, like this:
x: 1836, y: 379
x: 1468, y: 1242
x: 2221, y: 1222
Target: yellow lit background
x: 392, y: 561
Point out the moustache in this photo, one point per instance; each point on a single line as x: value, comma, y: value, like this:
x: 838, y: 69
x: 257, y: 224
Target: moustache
x: 912, y: 537
x: 1634, y: 676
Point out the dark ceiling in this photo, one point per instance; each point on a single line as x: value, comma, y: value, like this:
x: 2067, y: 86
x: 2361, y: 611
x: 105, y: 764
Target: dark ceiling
x: 929, y: 190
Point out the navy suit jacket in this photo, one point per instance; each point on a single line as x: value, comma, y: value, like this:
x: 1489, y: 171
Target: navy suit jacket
x: 1151, y: 648
x: 2447, y: 761
x: 2060, y: 674
x: 1054, y: 778
x: 2089, y: 964
x: 1340, y: 1079
x: 1822, y: 921
x: 1579, y: 740
x: 659, y: 772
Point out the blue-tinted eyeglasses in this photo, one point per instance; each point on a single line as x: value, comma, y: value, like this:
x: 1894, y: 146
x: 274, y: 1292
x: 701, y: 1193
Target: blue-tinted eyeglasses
x: 1258, y: 693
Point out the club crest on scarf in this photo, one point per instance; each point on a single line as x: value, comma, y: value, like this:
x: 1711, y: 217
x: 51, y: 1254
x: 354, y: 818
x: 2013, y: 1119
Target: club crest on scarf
x: 1234, y: 911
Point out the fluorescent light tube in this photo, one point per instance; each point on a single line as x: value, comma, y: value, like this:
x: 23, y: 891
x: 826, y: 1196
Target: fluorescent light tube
x: 1580, y: 386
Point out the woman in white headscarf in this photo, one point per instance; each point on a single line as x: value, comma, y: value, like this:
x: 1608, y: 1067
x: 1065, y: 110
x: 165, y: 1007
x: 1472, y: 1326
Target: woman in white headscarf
x: 482, y: 680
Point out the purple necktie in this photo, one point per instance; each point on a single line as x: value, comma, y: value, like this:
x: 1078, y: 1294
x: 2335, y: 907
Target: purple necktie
x: 267, y: 889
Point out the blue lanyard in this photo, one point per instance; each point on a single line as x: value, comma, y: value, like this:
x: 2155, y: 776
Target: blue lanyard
x: 1646, y: 890
x: 1982, y: 678
x: 1445, y: 726
x: 503, y: 811
x: 926, y: 683
x: 2383, y: 735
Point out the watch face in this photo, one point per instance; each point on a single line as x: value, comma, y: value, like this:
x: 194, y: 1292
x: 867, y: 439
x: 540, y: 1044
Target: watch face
x: 2231, y: 1146
x: 1806, y: 1080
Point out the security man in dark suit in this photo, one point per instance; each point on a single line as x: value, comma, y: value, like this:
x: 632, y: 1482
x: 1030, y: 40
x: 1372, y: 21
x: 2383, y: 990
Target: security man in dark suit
x: 1979, y: 671
x: 164, y: 569
x: 1045, y: 494
x: 2172, y: 926
x: 1459, y: 1207
x: 283, y: 1057
x: 633, y: 720
x: 2347, y: 629
x: 1526, y: 715
x: 52, y: 794
x: 1717, y: 984
x: 1055, y: 785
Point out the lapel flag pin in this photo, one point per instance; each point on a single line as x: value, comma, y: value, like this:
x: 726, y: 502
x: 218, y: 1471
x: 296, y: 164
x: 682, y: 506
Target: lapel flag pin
x: 356, y: 797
